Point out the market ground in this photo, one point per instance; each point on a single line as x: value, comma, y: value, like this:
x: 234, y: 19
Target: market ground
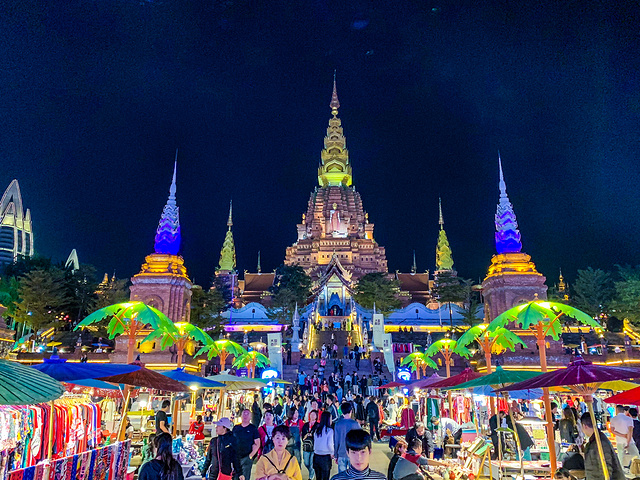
x: 380, y: 456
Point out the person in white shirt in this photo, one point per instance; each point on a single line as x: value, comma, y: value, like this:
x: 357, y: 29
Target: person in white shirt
x: 622, y: 428
x: 323, y: 447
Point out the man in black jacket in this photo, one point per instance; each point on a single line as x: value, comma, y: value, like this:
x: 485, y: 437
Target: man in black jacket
x: 222, y: 457
x: 419, y: 432
x: 373, y: 414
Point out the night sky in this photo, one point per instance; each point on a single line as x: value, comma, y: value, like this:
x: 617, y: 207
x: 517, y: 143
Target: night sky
x: 95, y: 97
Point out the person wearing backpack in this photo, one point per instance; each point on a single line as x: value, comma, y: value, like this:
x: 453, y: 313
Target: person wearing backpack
x: 308, y: 429
x: 278, y: 463
x: 266, y: 433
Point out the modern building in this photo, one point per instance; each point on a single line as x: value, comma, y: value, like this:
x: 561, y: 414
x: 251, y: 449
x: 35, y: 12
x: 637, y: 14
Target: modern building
x: 16, y: 230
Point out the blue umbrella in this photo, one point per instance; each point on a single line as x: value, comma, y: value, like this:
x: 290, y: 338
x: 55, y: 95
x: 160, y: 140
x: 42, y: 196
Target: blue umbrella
x: 487, y: 390
x: 192, y: 380
x: 91, y: 383
x: 62, y: 371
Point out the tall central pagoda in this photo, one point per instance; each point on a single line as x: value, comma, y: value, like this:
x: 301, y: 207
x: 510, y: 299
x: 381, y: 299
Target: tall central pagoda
x: 335, y: 223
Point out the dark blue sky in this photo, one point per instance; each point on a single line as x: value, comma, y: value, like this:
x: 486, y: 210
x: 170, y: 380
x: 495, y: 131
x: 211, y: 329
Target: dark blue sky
x: 95, y: 96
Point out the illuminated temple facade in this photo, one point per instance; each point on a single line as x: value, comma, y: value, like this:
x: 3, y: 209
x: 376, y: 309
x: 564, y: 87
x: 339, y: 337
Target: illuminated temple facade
x: 335, y: 224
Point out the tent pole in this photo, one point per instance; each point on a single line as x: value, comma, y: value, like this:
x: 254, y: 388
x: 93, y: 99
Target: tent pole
x: 125, y: 409
x: 589, y: 401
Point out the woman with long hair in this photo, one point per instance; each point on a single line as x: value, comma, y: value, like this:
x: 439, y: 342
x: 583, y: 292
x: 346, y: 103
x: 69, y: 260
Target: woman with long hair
x: 323, y: 447
x: 567, y: 426
x: 308, y: 429
x: 164, y: 466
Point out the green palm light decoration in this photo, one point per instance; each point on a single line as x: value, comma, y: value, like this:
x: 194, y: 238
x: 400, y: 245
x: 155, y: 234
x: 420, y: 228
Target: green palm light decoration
x: 178, y: 334
x: 492, y: 339
x: 419, y: 362
x: 447, y: 347
x: 222, y: 348
x: 251, y: 360
x: 128, y: 319
x: 543, y: 319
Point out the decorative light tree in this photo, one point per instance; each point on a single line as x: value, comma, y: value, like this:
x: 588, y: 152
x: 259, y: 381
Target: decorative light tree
x: 543, y: 319
x: 447, y: 347
x: 222, y: 348
x: 251, y: 360
x: 178, y: 334
x: 419, y: 362
x: 492, y: 341
x: 128, y: 319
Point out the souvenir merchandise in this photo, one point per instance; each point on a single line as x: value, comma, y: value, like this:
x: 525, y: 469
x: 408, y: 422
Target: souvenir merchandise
x: 190, y: 454
x: 106, y: 463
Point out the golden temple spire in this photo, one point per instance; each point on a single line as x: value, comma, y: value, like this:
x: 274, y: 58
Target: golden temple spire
x: 335, y: 168
x: 230, y: 219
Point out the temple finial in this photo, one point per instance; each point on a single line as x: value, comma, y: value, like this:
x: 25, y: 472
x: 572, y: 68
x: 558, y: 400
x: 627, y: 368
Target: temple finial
x: 335, y: 104
x: 444, y: 256
x: 335, y: 168
x: 507, y: 234
x: 259, y: 266
x: 228, y: 252
x: 167, y: 239
x: 414, y: 267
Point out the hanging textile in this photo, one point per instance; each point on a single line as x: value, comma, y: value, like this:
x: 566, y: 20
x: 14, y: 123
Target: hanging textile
x: 25, y: 432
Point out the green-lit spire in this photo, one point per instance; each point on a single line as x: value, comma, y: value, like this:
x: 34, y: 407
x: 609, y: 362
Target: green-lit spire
x: 228, y: 252
x: 444, y: 258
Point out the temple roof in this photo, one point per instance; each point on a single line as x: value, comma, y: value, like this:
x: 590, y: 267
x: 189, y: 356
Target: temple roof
x: 507, y: 234
x: 168, y: 232
x: 258, y: 282
x: 228, y: 252
x: 413, y: 282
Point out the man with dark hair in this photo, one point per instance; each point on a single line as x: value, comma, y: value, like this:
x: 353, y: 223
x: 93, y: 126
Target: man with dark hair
x: 592, y: 465
x: 162, y: 420
x: 633, y: 413
x: 247, y: 444
x: 332, y: 409
x: 373, y: 415
x: 256, y: 412
x: 622, y: 428
x: 340, y: 430
x: 419, y: 432
x: 358, y: 444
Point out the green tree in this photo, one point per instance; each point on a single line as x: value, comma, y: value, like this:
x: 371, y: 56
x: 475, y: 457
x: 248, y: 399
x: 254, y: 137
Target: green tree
x: 117, y: 291
x: 593, y: 291
x: 626, y: 302
x: 448, y: 288
x: 376, y: 289
x: 9, y: 295
x: 24, y: 265
x: 291, y: 287
x: 206, y: 308
x: 81, y: 289
x: 43, y: 295
x: 471, y: 313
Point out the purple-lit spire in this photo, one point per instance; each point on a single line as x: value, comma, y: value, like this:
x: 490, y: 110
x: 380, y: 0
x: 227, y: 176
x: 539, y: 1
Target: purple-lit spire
x: 168, y: 232
x: 507, y: 233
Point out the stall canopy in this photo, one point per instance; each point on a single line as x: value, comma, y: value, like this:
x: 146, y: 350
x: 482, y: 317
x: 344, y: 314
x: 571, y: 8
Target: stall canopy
x: 237, y: 383
x: 499, y: 377
x: 189, y: 380
x: 630, y: 397
x: 63, y: 371
x: 22, y: 385
x: 465, y: 376
x: 143, y: 377
x: 426, y: 382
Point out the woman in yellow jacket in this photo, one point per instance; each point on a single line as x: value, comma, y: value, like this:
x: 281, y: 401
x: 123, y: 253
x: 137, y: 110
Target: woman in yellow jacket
x: 278, y: 464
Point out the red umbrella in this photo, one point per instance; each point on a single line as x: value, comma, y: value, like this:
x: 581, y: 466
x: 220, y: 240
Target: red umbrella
x: 143, y: 378
x: 466, y: 376
x: 392, y: 385
x: 148, y: 379
x: 630, y: 397
x: 584, y: 378
x: 426, y: 382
